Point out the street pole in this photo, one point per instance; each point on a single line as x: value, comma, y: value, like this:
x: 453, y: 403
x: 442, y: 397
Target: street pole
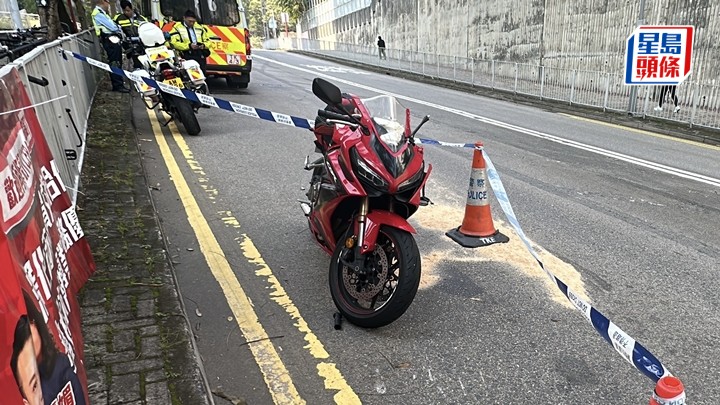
x: 633, y: 90
x: 265, y: 27
x: 15, y: 14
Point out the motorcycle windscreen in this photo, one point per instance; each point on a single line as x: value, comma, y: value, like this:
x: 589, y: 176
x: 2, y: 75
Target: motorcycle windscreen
x: 386, y: 151
x: 388, y: 115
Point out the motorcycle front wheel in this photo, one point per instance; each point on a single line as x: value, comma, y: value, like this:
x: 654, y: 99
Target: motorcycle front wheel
x: 383, y: 290
x: 187, y: 116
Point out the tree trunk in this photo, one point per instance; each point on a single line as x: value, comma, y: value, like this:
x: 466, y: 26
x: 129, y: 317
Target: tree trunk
x: 51, y: 18
x: 81, y: 16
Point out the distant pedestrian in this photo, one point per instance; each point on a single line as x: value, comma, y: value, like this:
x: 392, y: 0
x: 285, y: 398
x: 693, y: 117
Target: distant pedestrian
x: 665, y: 90
x: 381, y: 47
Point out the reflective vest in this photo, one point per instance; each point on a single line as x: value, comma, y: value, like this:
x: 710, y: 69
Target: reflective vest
x: 129, y: 26
x: 99, y: 28
x: 180, y: 35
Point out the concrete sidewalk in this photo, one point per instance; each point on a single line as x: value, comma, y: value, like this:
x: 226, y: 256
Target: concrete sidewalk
x: 138, y: 346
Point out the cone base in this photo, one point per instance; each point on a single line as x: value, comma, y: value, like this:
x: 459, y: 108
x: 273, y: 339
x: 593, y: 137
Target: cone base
x: 476, y: 241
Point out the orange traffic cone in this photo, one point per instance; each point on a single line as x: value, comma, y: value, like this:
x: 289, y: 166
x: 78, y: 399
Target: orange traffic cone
x: 477, y: 228
x: 668, y: 391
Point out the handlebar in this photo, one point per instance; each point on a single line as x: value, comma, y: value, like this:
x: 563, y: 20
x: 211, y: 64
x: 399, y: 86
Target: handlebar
x: 333, y: 116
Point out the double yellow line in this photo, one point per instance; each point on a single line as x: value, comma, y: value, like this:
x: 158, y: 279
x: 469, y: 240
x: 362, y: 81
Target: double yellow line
x: 276, y: 376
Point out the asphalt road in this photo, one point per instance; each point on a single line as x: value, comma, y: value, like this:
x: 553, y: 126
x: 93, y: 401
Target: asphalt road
x: 628, y: 219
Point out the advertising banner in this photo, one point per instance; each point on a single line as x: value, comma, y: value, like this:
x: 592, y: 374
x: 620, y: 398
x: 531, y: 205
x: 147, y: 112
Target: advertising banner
x: 44, y: 261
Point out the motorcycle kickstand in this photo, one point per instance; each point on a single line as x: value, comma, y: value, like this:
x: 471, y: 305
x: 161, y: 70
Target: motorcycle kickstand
x: 337, y: 317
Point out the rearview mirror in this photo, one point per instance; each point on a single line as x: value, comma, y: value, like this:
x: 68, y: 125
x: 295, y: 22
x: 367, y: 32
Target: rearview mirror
x: 424, y: 120
x: 327, y: 92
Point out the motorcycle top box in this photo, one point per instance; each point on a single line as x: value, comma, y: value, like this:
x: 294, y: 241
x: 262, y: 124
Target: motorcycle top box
x: 369, y: 180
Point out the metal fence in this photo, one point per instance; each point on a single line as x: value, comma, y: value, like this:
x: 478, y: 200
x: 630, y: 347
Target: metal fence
x: 699, y: 103
x: 47, y: 76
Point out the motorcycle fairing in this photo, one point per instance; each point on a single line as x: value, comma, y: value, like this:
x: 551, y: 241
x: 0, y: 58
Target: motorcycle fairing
x: 377, y: 218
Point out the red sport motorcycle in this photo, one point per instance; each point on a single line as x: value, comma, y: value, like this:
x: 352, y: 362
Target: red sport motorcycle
x: 368, y: 182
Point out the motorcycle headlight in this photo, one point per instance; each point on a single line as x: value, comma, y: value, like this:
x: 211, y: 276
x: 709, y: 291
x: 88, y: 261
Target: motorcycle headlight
x: 413, y: 180
x: 366, y: 173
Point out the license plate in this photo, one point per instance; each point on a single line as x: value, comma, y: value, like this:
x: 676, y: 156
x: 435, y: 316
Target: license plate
x: 233, y: 59
x: 177, y: 82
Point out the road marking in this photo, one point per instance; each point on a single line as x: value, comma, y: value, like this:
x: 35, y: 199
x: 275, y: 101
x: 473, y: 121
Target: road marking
x: 332, y: 377
x: 542, y: 135
x: 642, y: 131
x: 276, y: 376
x: 328, y: 371
x: 335, y: 69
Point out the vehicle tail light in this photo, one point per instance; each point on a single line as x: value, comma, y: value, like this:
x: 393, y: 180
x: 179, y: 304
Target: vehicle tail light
x: 247, y: 41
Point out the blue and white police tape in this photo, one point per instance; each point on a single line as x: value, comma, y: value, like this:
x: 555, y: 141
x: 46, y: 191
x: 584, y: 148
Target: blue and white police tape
x: 631, y: 350
x: 426, y: 141
x: 228, y: 105
x: 202, y: 98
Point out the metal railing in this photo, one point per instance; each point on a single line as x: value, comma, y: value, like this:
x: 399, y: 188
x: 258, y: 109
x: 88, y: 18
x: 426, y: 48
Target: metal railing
x: 699, y: 103
x: 47, y: 76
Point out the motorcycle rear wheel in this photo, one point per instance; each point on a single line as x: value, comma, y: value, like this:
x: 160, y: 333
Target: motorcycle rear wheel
x: 187, y: 115
x: 388, y: 287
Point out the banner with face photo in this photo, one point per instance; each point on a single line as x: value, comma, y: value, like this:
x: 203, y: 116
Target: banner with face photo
x: 44, y: 261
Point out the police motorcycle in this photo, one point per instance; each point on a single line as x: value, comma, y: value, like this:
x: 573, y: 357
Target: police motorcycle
x: 162, y: 65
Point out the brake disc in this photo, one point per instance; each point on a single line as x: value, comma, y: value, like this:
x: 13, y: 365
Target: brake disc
x: 376, y: 278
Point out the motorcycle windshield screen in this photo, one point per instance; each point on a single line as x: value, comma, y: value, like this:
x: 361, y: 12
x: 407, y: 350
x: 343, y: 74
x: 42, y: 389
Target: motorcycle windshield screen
x: 213, y: 12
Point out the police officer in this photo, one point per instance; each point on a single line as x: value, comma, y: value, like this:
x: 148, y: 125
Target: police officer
x: 189, y: 37
x: 129, y: 21
x: 105, y: 28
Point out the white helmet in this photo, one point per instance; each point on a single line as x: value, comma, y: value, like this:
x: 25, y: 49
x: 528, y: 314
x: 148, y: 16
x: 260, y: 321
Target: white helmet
x: 150, y: 35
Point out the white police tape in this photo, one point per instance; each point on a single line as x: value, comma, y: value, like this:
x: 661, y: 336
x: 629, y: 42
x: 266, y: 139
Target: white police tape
x: 201, y: 98
x: 224, y: 104
x: 425, y: 141
x: 629, y: 348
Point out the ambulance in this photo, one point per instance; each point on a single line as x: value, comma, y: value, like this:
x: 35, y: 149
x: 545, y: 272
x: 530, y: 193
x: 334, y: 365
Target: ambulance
x: 230, y: 39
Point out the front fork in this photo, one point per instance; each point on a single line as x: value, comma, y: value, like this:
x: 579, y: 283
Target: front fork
x: 362, y: 217
x: 358, y: 261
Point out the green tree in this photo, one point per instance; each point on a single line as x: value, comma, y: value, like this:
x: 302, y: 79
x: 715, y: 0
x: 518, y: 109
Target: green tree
x: 295, y: 8
x: 29, y: 5
x: 253, y: 12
